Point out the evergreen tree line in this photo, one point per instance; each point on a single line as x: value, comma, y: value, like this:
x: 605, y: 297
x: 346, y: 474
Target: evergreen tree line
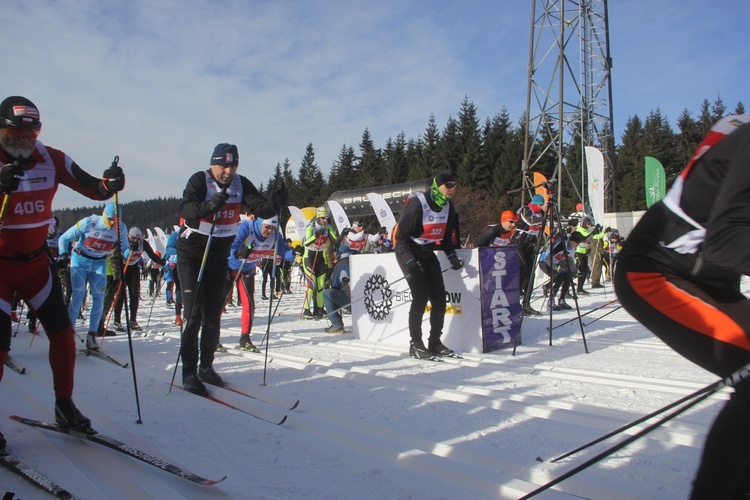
x: 486, y: 156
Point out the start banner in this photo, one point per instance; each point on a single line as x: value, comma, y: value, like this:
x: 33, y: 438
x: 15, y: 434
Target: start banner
x: 483, y: 310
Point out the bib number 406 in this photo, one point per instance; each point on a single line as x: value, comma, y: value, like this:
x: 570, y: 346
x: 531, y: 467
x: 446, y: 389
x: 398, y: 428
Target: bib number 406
x: 29, y: 207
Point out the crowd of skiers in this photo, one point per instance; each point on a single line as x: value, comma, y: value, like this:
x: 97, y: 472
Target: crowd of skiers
x: 678, y: 274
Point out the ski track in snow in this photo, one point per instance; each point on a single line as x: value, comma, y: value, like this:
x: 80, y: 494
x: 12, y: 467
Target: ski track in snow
x: 372, y: 422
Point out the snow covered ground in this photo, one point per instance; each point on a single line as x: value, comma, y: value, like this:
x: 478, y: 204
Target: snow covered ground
x: 372, y: 423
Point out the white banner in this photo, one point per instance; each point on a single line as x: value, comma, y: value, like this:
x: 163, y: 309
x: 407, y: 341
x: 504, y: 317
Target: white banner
x: 300, y: 224
x: 381, y: 300
x: 383, y: 211
x: 595, y: 162
x: 161, y: 241
x: 338, y: 215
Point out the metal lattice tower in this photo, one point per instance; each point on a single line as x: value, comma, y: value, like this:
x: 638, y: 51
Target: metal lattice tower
x: 569, y: 93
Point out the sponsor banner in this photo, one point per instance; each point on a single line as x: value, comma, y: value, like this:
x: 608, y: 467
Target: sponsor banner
x: 383, y: 212
x: 500, y: 301
x: 338, y: 216
x: 356, y: 204
x: 381, y: 300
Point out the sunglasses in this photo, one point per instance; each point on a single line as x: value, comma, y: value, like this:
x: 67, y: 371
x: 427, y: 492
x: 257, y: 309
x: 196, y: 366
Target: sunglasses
x: 450, y: 185
x: 17, y: 132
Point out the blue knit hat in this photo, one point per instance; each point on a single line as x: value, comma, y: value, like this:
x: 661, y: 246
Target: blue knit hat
x: 537, y: 199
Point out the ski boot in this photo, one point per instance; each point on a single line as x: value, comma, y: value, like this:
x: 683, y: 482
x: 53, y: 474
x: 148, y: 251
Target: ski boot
x: 192, y: 383
x: 134, y: 326
x: 307, y: 314
x: 246, y: 344
x: 552, y: 306
x: 209, y: 376
x: 530, y: 311
x: 91, y: 342
x: 564, y: 305
x: 335, y: 330
x: 437, y: 347
x: 119, y: 327
x: 68, y: 416
x: 418, y: 350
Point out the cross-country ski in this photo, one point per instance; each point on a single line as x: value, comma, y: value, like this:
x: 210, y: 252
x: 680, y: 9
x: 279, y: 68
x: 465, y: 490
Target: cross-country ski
x: 121, y: 447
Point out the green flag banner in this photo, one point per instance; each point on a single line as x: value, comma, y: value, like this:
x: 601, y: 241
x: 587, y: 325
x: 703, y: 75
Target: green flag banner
x: 655, y: 181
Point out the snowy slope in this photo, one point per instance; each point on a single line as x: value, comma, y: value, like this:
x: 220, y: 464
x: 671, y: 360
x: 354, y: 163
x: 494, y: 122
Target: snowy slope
x: 371, y: 423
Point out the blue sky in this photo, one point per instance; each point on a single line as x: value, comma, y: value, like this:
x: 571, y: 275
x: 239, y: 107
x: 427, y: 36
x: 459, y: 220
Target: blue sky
x: 161, y: 82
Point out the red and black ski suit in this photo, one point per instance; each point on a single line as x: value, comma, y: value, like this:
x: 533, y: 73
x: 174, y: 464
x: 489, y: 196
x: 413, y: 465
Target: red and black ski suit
x: 679, y: 275
x: 26, y: 265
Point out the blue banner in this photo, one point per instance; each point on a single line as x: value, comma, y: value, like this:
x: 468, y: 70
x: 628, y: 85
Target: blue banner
x: 499, y: 291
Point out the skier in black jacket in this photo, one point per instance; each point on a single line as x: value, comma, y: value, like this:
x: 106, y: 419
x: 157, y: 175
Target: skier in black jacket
x: 211, y: 205
x: 679, y: 274
x: 426, y: 220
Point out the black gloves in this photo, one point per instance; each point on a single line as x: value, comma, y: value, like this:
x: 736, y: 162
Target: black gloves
x: 456, y: 263
x: 346, y: 231
x: 133, y: 246
x: 10, y: 177
x: 415, y: 268
x: 62, y: 261
x: 597, y: 229
x: 218, y: 201
x: 320, y: 232
x: 242, y: 253
x: 280, y: 197
x: 113, y: 179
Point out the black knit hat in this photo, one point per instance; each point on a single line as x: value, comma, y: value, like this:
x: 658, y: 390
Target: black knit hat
x: 225, y: 155
x: 444, y: 176
x: 17, y: 111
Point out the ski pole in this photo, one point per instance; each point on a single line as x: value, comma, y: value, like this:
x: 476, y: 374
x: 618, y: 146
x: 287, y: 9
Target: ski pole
x: 311, y: 284
x: 732, y: 380
x: 585, y: 314
x: 270, y: 301
x: 3, y: 209
x: 603, y: 316
x: 116, y: 298
x: 196, y: 289
x: 156, y: 293
x: 634, y: 423
x: 125, y: 304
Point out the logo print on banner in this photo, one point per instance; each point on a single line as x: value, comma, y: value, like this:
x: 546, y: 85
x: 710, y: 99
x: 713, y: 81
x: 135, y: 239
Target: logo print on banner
x: 378, y: 309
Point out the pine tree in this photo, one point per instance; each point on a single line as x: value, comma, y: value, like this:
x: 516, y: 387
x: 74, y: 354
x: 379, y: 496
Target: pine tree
x: 312, y: 187
x: 659, y: 141
x: 630, y: 174
x: 368, y: 169
x: 450, y: 149
x: 342, y: 175
x: 470, y: 171
x: 428, y: 147
x: 394, y: 156
x: 688, y: 139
